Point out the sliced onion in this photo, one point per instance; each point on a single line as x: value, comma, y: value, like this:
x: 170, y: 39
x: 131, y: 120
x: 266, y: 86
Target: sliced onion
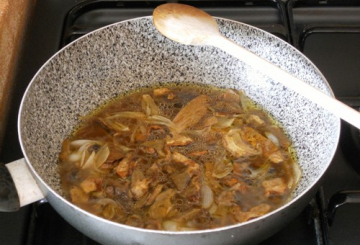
x: 89, y: 161
x: 84, y: 147
x: 224, y: 122
x: 213, y: 209
x: 149, y: 106
x: 79, y: 143
x: 102, y: 155
x: 128, y: 114
x: 84, y: 156
x: 297, y: 174
x: 170, y: 225
x: 246, y: 103
x: 207, y: 196
x: 160, y: 120
x: 74, y: 157
x: 119, y: 127
x: 135, y: 129
x: 124, y: 148
x: 200, y: 132
x: 273, y: 138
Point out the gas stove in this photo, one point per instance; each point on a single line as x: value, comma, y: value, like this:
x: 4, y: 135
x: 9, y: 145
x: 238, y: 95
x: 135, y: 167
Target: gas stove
x: 326, y: 31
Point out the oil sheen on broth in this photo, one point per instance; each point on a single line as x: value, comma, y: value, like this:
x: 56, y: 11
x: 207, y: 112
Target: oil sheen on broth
x: 179, y: 158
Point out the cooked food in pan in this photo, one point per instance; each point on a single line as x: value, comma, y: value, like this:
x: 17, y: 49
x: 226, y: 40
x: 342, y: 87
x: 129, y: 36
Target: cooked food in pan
x: 179, y: 158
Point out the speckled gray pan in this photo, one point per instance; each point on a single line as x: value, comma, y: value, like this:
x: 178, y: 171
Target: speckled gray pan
x: 132, y: 54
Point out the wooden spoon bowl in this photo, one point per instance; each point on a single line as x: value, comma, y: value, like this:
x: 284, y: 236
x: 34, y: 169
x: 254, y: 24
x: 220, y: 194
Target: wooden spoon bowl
x: 191, y: 26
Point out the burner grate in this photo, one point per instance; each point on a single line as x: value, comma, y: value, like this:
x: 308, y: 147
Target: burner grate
x: 88, y: 16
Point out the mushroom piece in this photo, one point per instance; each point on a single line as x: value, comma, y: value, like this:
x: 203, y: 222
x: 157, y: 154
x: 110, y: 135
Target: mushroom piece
x: 253, y: 213
x: 192, y: 167
x: 222, y: 168
x: 276, y: 157
x: 255, y: 120
x: 153, y: 195
x: 88, y: 185
x: 162, y: 205
x: 78, y: 196
x: 123, y: 167
x: 231, y: 95
x: 139, y: 184
x: 181, y: 180
x: 276, y: 186
x: 178, y: 140
x: 229, y: 197
x: 161, y: 91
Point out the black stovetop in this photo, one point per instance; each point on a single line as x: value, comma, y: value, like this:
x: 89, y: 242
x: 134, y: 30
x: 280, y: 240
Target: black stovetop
x: 327, y: 31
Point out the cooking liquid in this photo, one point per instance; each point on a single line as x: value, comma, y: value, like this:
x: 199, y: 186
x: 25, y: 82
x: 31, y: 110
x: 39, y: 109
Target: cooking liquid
x: 132, y: 172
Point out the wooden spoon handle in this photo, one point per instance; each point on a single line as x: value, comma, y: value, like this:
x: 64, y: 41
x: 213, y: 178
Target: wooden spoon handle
x: 327, y: 102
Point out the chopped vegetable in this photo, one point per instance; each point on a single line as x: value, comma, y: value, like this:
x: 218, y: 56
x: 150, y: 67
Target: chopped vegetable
x: 149, y: 106
x: 276, y: 186
x: 233, y: 142
x: 179, y: 159
x: 192, y: 113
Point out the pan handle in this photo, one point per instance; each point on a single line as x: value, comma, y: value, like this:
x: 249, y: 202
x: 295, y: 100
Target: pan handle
x: 339, y: 199
x: 9, y: 199
x: 17, y: 186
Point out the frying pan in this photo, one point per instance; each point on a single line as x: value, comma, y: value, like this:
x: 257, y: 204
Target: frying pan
x: 132, y: 54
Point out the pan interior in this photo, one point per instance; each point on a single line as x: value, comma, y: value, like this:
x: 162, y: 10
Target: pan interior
x: 132, y: 54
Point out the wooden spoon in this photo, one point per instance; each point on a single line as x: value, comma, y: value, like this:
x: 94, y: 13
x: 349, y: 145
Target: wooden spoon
x: 191, y: 26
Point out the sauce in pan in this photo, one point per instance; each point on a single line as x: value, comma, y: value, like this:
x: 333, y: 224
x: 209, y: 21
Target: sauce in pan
x: 179, y: 158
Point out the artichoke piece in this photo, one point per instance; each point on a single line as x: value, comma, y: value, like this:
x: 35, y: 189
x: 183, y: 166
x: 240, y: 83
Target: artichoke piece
x: 191, y: 114
x: 258, y: 141
x: 222, y: 168
x: 236, y: 146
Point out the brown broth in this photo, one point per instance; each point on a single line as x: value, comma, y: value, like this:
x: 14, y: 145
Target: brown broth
x: 179, y: 158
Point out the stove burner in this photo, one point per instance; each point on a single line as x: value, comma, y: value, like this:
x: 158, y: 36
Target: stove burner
x: 339, y: 199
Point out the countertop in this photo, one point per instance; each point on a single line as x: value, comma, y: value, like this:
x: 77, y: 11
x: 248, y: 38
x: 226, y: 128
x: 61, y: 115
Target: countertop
x: 13, y: 18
